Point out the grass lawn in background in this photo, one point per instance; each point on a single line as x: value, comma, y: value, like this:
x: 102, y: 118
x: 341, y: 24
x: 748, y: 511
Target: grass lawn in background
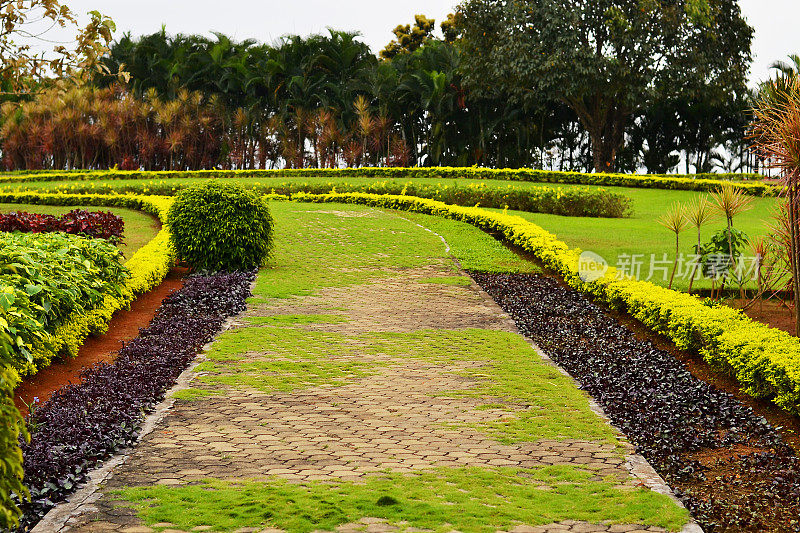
x: 614, y: 239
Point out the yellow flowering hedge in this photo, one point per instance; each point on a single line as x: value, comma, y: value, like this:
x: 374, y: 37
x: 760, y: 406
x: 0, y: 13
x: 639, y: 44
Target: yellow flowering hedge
x: 694, y: 182
x: 764, y: 360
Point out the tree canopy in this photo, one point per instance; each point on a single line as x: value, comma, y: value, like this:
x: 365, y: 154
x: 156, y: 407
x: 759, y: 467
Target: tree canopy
x: 607, y: 60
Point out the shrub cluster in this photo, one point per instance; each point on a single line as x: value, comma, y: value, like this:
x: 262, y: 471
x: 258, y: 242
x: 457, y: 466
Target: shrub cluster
x: 750, y: 183
x: 219, y: 226
x: 765, y: 360
x: 147, y: 267
x: 83, y: 424
x: 96, y: 224
x: 44, y: 280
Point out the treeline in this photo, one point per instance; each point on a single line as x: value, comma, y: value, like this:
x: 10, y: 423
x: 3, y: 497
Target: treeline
x: 327, y: 101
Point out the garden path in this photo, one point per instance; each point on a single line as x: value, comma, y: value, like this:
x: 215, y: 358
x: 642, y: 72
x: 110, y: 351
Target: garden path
x: 384, y: 391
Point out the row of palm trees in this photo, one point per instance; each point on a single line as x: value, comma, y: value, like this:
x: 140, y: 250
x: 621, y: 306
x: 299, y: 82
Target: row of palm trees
x: 317, y: 101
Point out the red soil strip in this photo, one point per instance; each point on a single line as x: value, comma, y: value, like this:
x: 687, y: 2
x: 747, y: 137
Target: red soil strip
x: 124, y: 327
x: 771, y: 313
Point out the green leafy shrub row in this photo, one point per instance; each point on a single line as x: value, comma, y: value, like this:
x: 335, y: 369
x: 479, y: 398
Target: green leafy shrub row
x: 220, y: 226
x: 72, y: 303
x: 577, y: 202
x: 765, y: 360
x: 694, y: 182
x: 45, y: 278
x: 11, y: 428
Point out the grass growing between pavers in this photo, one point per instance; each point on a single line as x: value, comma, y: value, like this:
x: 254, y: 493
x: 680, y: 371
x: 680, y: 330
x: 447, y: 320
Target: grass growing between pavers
x: 193, y: 393
x: 538, y: 401
x: 465, y: 499
x: 286, y: 320
x: 340, y: 245
x: 336, y: 245
x: 333, y: 245
x: 459, y: 281
x: 276, y: 359
x: 535, y: 400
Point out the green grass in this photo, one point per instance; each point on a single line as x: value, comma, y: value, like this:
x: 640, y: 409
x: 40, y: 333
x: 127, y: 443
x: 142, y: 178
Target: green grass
x: 464, y: 499
x: 613, y: 238
x: 460, y: 281
x: 285, y: 320
x: 273, y: 359
x: 537, y: 401
x: 473, y: 248
x: 140, y: 228
x: 335, y: 245
x: 192, y: 394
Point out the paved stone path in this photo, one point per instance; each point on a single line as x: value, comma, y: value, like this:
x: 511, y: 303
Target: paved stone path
x: 396, y: 414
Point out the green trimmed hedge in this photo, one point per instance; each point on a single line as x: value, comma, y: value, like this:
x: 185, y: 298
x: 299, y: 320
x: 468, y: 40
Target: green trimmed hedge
x: 220, y: 226
x: 694, y: 182
x: 570, y: 201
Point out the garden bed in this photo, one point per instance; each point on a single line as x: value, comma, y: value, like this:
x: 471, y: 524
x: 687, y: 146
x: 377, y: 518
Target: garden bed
x: 732, y: 468
x: 123, y: 328
x: 83, y: 424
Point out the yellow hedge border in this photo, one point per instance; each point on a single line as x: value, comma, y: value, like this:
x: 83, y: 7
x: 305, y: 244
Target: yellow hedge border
x: 148, y: 266
x: 764, y: 360
x: 693, y: 182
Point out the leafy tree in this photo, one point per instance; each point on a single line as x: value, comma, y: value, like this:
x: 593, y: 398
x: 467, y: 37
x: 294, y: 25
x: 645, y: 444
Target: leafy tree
x: 23, y: 68
x: 408, y: 38
x: 449, y: 29
x: 602, y: 58
x: 787, y: 68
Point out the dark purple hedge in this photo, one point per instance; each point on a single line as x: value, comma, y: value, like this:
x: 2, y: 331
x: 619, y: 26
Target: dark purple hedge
x: 85, y: 423
x: 96, y: 224
x: 668, y: 414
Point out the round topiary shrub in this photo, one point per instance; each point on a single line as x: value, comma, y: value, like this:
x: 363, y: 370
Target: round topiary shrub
x: 219, y: 226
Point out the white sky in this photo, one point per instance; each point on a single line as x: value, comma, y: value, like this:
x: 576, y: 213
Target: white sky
x: 775, y: 21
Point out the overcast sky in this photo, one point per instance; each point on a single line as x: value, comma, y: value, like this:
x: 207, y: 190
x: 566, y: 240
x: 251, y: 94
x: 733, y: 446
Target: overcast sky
x: 775, y: 21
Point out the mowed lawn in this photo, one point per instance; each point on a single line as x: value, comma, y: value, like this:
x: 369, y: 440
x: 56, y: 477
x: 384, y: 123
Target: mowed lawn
x: 618, y: 240
x: 140, y: 228
x: 622, y: 242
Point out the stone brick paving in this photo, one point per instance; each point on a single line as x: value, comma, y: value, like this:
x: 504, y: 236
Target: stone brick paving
x: 394, y: 419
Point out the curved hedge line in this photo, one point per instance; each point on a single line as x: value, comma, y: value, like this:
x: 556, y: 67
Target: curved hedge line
x: 148, y: 267
x: 764, y: 360
x: 572, y: 201
x: 693, y: 182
